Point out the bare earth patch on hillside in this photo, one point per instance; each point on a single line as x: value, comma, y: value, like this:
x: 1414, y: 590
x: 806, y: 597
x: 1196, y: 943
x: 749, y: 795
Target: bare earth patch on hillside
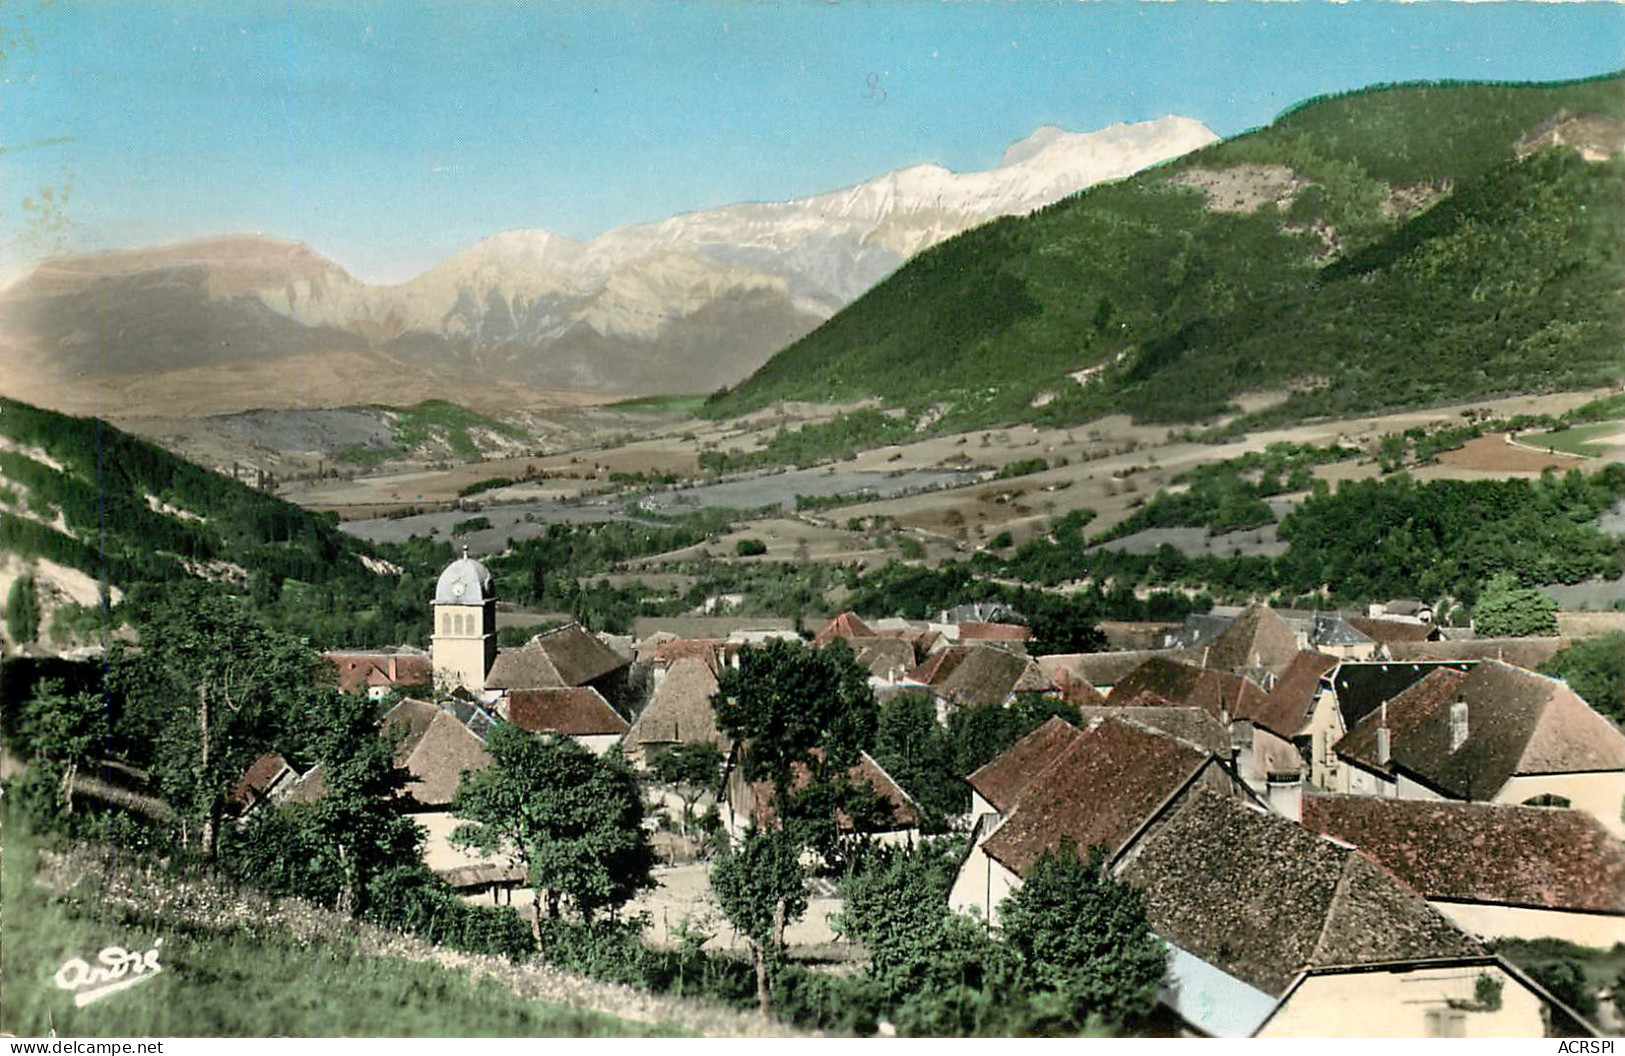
x: 1244, y: 188
x: 1491, y: 453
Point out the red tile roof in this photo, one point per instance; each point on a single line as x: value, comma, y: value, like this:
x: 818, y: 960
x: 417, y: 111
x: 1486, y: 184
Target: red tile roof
x: 1257, y: 638
x: 1286, y: 709
x: 680, y: 710
x: 939, y: 665
x: 1002, y: 781
x: 1073, y: 688
x: 1524, y: 652
x: 1393, y: 630
x: 1219, y: 693
x: 1102, y: 788
x: 257, y: 780
x: 994, y: 632
x: 357, y: 670
x: 1261, y: 898
x: 1191, y: 725
x: 1518, y: 722
x: 566, y: 656
x: 1401, y: 714
x: 576, y: 712
x: 1482, y: 852
x: 988, y: 676
x: 905, y: 812
x: 845, y: 625
x: 707, y: 649
x: 435, y: 750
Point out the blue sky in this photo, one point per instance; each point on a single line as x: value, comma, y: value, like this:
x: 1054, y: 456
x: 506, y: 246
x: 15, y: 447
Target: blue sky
x: 390, y: 135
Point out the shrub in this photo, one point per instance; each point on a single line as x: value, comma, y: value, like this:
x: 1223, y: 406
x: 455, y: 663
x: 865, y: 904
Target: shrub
x: 750, y: 548
x: 473, y: 524
x: 410, y: 898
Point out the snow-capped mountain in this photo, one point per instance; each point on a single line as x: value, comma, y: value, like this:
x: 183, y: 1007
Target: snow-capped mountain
x: 682, y: 304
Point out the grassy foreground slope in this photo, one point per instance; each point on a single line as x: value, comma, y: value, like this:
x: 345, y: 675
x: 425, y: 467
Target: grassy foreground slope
x: 237, y: 978
x: 1408, y: 256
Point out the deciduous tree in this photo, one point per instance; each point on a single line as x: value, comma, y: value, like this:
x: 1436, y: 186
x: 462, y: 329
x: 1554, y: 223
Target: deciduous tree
x: 691, y: 770
x: 761, y: 890
x: 1595, y: 669
x: 213, y: 687
x: 794, y: 705
x: 572, y: 819
x: 1506, y: 609
x: 1082, y: 936
x: 356, y: 817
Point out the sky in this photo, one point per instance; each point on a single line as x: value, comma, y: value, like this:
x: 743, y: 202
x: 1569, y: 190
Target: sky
x: 389, y: 136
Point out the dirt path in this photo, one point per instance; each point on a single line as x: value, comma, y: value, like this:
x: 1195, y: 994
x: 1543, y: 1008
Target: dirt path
x: 205, y: 904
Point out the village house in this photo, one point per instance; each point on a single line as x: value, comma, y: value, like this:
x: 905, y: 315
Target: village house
x: 889, y: 661
x: 1102, y: 671
x: 966, y: 676
x: 266, y: 780
x: 1527, y: 653
x: 842, y: 625
x: 378, y: 673
x: 1496, y: 870
x: 1410, y: 610
x: 1348, y: 693
x: 748, y: 804
x: 1258, y: 643
x: 1299, y: 712
x: 679, y: 712
x: 1012, y: 636
x: 1219, y: 693
x: 1460, y: 997
x: 578, y: 712
x: 436, y: 749
x: 1099, y: 786
x: 1495, y: 733
x: 1278, y: 932
x: 1334, y: 634
x: 566, y: 657
x: 1388, y: 633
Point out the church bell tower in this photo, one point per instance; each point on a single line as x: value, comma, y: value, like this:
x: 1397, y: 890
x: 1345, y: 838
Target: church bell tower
x: 464, y: 644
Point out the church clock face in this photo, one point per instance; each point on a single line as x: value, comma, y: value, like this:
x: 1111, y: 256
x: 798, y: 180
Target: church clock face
x: 458, y: 588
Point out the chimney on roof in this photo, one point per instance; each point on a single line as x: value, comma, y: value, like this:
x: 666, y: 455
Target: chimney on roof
x: 1284, y: 792
x: 1458, y: 724
x: 1385, y: 751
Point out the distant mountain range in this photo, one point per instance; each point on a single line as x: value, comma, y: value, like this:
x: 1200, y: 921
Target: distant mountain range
x: 685, y: 304
x: 1403, y: 245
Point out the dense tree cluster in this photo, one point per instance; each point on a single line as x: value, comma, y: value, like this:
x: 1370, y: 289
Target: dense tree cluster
x: 1595, y: 669
x: 303, y: 574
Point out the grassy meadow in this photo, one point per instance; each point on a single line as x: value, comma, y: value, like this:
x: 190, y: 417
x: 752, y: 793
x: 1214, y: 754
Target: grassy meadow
x: 240, y: 979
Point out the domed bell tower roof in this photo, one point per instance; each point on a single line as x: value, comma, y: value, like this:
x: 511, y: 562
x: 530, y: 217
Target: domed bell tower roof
x: 464, y: 582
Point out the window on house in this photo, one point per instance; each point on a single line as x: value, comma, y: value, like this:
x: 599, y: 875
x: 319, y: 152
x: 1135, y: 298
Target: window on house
x: 1447, y: 1023
x: 445, y: 623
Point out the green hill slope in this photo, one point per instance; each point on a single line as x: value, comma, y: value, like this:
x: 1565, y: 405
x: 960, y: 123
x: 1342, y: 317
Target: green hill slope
x: 83, y: 494
x: 1378, y: 249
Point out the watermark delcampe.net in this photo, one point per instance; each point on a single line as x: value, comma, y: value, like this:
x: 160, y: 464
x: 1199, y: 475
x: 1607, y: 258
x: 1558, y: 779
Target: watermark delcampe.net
x: 115, y: 969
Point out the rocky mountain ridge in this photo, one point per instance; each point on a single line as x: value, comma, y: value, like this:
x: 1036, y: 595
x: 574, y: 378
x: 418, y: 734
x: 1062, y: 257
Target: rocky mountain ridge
x: 683, y: 304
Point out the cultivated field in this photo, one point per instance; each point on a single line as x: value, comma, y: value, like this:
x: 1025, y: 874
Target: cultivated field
x: 585, y: 463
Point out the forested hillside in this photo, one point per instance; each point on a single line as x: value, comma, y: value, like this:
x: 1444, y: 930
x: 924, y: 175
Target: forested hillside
x: 1380, y: 249
x: 83, y: 494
